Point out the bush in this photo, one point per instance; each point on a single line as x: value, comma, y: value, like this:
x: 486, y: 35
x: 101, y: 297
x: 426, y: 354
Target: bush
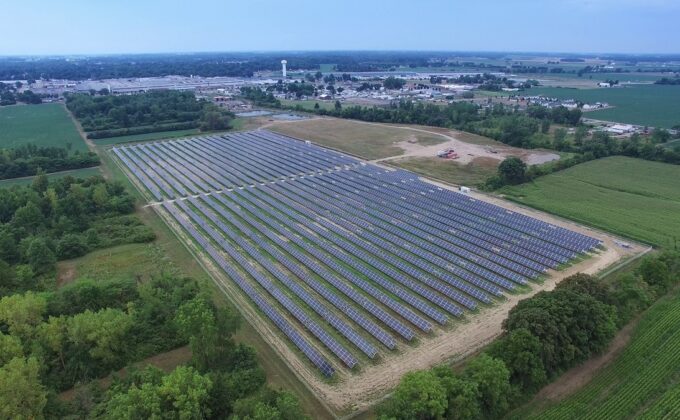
x: 71, y: 246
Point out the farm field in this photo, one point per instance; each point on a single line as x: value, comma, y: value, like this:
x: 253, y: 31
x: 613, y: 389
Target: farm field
x: 471, y: 174
x: 42, y: 125
x: 642, y: 382
x: 368, y: 141
x: 651, y: 105
x: 76, y: 173
x: 630, y: 197
x: 350, y: 272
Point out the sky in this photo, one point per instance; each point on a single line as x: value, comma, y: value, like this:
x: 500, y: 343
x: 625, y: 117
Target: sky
x: 31, y: 27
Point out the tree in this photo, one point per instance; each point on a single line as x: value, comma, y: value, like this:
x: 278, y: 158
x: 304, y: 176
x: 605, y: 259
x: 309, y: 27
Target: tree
x: 587, y: 284
x: 571, y: 326
x: 393, y: 83
x: 493, y: 381
x: 182, y: 394
x: 8, y: 247
x: 10, y: 347
x: 656, y: 273
x: 208, y: 331
x: 512, y: 170
x: 100, y: 195
x: 559, y: 139
x: 463, y: 395
x: 28, y: 217
x: 419, y: 395
x: 40, y: 182
x: 40, y: 256
x: 521, y: 352
x: 71, y: 246
x: 338, y: 106
x: 101, y: 334
x: 269, y: 404
x: 22, y: 313
x: 22, y: 395
x: 196, y: 322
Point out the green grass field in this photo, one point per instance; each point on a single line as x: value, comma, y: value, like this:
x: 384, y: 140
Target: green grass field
x: 76, y: 173
x: 630, y: 197
x: 42, y: 125
x: 309, y: 104
x: 471, y: 174
x: 146, y: 137
x: 651, y: 105
x: 369, y: 141
x: 642, y: 383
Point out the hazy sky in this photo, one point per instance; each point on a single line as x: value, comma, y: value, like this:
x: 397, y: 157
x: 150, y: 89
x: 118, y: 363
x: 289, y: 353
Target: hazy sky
x: 133, y: 26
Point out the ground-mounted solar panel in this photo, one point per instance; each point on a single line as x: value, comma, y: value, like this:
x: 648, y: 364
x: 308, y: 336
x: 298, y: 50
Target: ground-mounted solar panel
x: 358, y: 255
x: 312, y: 354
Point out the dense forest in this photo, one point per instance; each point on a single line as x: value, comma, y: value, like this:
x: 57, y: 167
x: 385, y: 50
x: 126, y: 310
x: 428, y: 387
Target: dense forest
x: 29, y: 160
x: 56, y: 338
x: 543, y: 336
x: 158, y: 110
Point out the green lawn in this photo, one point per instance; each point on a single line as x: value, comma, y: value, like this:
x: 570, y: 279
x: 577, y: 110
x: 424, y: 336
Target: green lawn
x: 630, y: 197
x: 471, y: 174
x: 652, y: 105
x: 643, y: 382
x: 42, y: 125
x: 147, y: 137
x: 76, y: 173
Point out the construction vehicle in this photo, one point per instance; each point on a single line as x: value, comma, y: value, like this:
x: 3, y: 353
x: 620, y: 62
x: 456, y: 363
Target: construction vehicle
x: 447, y: 154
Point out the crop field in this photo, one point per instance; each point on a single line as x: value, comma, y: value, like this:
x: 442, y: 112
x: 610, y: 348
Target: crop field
x: 643, y: 382
x: 651, y: 105
x: 630, y: 197
x: 368, y: 141
x: 343, y: 265
x: 42, y: 125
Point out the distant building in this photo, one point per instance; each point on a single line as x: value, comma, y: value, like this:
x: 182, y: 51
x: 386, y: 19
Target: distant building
x: 620, y: 129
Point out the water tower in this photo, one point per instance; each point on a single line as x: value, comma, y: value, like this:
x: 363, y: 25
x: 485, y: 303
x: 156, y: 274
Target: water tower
x: 283, y: 68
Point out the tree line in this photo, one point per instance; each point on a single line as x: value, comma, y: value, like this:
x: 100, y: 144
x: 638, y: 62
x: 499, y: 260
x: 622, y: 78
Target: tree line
x: 10, y: 95
x: 157, y: 110
x: 543, y: 336
x: 29, y: 160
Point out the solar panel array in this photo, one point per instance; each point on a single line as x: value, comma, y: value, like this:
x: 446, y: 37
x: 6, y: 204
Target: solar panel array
x: 347, y: 260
